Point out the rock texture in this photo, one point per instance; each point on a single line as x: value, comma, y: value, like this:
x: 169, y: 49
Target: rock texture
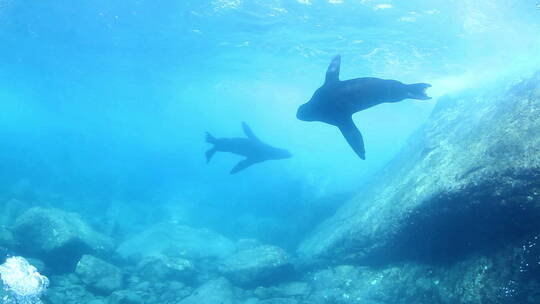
x: 166, y: 268
x: 125, y: 297
x: 58, y: 238
x: 99, y: 275
x: 218, y: 291
x: 467, y: 181
x: 260, y: 265
x: 178, y: 241
x: 505, y: 277
x: 68, y: 289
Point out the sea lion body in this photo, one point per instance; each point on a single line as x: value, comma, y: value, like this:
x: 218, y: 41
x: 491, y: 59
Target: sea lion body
x: 336, y: 101
x: 250, y: 147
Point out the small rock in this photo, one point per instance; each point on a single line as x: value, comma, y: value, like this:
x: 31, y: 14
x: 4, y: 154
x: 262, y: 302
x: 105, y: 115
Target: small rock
x: 286, y: 290
x: 166, y: 268
x: 174, y: 292
x: 99, y: 275
x: 125, y: 297
x: 218, y: 291
x: 67, y: 289
x: 258, y: 266
x: 58, y: 238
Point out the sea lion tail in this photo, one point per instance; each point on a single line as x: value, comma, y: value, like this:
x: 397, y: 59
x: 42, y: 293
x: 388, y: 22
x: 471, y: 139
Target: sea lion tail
x: 210, y: 138
x: 418, y: 91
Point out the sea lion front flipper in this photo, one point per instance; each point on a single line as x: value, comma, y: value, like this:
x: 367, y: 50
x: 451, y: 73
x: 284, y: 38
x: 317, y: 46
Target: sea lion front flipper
x: 249, y: 133
x: 353, y: 137
x: 209, y: 154
x: 242, y: 165
x: 332, y: 74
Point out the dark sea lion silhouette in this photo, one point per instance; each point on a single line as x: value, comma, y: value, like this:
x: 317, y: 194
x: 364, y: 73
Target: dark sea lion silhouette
x: 336, y: 101
x: 251, y: 147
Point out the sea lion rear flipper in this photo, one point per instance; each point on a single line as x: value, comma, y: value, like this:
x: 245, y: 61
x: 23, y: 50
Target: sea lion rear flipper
x: 249, y: 133
x: 353, y: 137
x: 332, y: 74
x: 242, y: 165
x: 418, y: 91
x: 210, y: 139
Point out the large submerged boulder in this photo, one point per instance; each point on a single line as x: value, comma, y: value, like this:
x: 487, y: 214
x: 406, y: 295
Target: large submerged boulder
x: 260, y: 265
x: 177, y: 241
x: 58, y: 238
x: 468, y: 181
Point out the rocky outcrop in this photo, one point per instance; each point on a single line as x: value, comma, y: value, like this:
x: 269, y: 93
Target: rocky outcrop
x: 505, y: 277
x: 125, y: 297
x: 98, y: 275
x: 455, y: 218
x: 68, y: 289
x: 138, y: 291
x: 467, y: 182
x: 295, y: 290
x: 156, y: 268
x: 58, y: 238
x: 177, y: 241
x: 71, y: 290
x: 260, y: 265
x: 218, y: 291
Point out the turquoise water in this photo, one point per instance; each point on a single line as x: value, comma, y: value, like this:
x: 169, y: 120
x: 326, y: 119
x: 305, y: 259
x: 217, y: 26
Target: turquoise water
x: 104, y: 104
x: 111, y: 100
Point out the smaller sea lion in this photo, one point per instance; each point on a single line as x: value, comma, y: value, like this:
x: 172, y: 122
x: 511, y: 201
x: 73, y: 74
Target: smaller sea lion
x: 251, y: 147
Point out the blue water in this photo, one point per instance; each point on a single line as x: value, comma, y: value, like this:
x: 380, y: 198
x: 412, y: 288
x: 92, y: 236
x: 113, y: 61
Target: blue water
x: 104, y: 104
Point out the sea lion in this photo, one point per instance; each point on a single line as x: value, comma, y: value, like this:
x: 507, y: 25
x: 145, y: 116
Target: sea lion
x: 336, y: 101
x: 251, y: 147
